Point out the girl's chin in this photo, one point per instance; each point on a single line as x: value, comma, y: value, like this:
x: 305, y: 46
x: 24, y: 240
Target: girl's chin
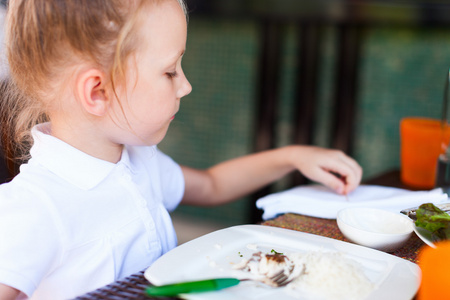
x: 149, y: 139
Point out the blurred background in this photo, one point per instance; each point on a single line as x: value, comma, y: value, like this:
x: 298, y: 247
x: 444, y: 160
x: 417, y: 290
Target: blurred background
x: 332, y: 73
x: 336, y: 74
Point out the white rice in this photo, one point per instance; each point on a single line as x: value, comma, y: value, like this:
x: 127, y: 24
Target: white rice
x: 329, y: 275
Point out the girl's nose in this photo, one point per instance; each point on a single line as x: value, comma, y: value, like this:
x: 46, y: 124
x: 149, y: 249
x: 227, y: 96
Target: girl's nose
x: 185, y: 88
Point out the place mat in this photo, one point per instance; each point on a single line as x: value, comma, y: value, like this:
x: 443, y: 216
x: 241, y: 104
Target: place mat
x: 329, y: 228
x: 130, y: 288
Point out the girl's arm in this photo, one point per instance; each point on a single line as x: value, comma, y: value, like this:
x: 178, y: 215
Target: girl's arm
x: 7, y: 292
x: 238, y: 177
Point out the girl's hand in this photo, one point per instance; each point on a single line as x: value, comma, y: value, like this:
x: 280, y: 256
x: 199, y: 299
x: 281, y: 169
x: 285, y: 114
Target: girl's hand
x: 332, y: 168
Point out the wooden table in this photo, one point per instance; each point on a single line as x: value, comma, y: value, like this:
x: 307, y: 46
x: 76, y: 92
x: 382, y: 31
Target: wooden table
x: 133, y: 287
x: 329, y: 228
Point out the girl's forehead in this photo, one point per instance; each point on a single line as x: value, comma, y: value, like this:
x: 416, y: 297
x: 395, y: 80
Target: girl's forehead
x: 161, y: 14
x: 163, y: 31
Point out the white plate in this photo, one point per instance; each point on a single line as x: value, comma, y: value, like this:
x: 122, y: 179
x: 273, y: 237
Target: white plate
x: 424, y: 235
x: 213, y: 255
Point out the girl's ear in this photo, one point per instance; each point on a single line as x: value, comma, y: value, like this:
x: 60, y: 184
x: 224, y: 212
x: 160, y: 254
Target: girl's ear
x: 91, y: 90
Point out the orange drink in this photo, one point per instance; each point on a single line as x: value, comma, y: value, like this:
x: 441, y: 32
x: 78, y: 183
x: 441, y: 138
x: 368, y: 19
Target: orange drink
x: 422, y: 140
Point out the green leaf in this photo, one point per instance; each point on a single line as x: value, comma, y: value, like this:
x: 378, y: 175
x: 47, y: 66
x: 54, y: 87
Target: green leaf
x: 434, y: 219
x: 275, y: 252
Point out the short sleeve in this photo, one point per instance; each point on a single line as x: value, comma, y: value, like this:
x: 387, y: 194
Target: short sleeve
x: 172, y: 181
x: 29, y: 238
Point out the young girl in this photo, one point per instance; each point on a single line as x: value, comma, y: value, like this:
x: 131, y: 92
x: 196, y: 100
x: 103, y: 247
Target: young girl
x: 103, y: 79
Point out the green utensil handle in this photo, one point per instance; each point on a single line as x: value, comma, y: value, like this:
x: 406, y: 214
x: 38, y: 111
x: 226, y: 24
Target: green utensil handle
x: 191, y: 287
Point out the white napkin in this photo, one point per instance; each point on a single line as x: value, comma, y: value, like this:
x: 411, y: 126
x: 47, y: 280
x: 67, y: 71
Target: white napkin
x: 320, y: 201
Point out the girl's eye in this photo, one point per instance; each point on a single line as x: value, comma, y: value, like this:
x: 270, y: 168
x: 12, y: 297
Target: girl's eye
x: 172, y: 74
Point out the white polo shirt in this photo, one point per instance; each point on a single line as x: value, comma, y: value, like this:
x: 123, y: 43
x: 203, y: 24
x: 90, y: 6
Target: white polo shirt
x: 71, y: 223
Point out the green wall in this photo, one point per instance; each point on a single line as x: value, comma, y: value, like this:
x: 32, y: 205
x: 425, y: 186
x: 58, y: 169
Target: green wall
x: 402, y: 73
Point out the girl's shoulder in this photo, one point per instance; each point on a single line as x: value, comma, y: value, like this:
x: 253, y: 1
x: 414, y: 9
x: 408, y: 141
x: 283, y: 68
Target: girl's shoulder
x: 30, y: 192
x: 26, y: 195
x: 30, y: 182
x: 26, y: 211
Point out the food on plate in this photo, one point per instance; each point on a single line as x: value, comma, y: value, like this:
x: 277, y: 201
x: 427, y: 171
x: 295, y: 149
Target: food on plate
x: 435, y: 220
x: 322, y: 275
x: 411, y: 212
x: 269, y: 268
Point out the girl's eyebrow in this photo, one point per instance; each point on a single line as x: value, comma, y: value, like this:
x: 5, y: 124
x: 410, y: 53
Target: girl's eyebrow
x: 175, y: 57
x: 178, y: 55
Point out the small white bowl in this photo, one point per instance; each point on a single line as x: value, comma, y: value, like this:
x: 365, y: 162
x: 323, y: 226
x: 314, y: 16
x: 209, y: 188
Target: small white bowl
x: 374, y: 228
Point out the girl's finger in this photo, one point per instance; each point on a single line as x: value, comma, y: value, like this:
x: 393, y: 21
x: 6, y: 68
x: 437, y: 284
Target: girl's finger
x: 331, y: 180
x: 350, y: 177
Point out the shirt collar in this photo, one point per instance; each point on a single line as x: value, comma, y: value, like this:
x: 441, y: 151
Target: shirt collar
x: 69, y: 163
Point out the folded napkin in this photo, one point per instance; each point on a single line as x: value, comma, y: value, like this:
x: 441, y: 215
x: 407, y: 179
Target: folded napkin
x: 320, y: 201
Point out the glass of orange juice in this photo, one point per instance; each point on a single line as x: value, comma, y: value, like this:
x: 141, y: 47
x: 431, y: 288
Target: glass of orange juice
x: 422, y: 140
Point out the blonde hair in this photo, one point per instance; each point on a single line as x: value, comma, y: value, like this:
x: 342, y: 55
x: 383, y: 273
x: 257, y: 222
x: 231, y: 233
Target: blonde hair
x: 46, y: 37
